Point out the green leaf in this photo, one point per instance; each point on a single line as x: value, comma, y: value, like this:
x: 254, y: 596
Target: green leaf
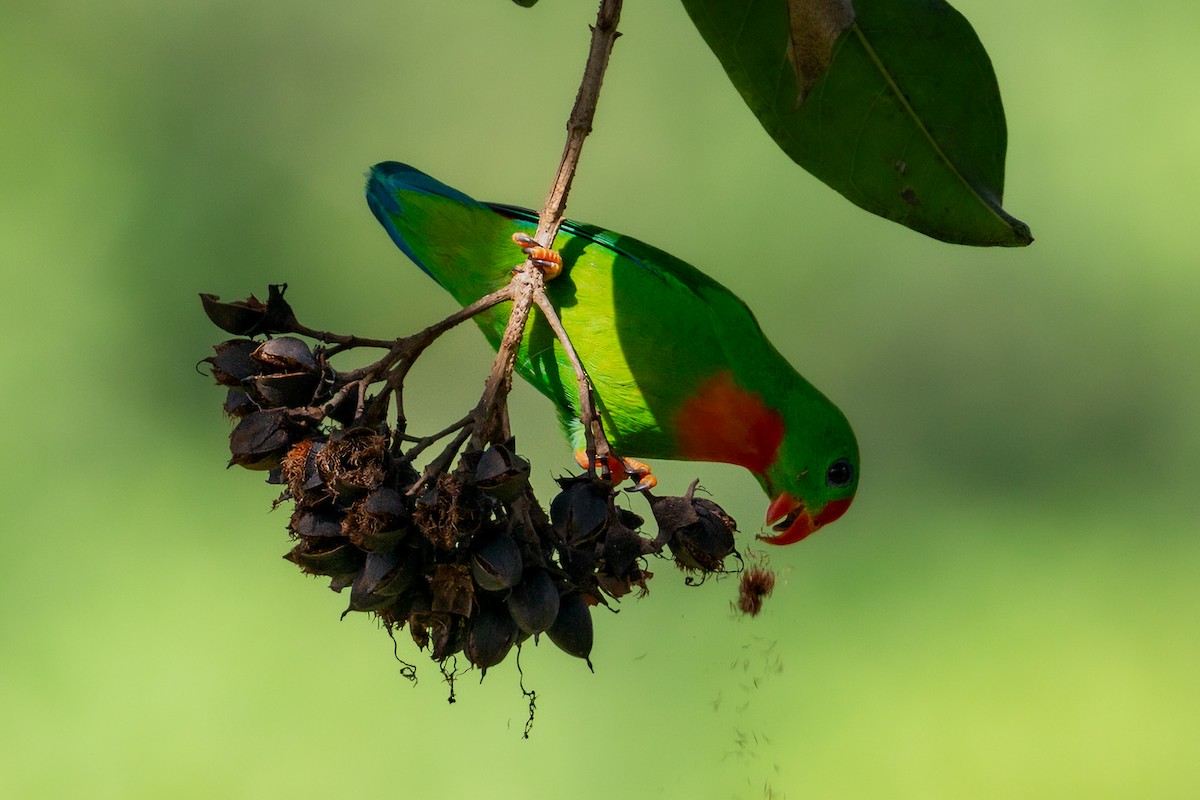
x: 903, y: 116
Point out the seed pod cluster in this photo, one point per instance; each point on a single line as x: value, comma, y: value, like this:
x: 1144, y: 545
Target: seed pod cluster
x: 459, y: 553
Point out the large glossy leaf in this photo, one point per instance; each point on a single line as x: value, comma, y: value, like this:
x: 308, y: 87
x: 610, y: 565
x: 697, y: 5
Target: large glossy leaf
x: 905, y: 120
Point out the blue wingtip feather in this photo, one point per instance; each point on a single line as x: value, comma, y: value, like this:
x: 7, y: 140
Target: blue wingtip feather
x: 386, y: 180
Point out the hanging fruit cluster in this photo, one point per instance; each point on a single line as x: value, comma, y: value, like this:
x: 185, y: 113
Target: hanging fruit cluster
x: 459, y: 552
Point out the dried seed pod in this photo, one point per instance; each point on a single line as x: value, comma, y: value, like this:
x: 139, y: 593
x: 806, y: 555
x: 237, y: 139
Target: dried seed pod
x: 441, y: 632
x: 581, y: 510
x: 323, y: 555
x: 240, y: 317
x: 289, y: 390
x: 534, y: 602
x: 698, y: 531
x: 383, y: 577
x: 311, y: 523
x: 353, y: 462
x: 232, y: 363
x: 578, y: 563
x: 501, y: 473
x: 629, y: 519
x: 396, y: 614
x: 448, y: 513
x: 260, y: 440
x: 286, y: 354
x: 491, y: 633
x: 453, y: 591
x: 238, y: 403
x: 572, y: 628
x: 622, y: 548
x: 496, y: 563
x: 300, y: 471
x: 250, y: 316
x: 378, y: 521
x: 705, y: 544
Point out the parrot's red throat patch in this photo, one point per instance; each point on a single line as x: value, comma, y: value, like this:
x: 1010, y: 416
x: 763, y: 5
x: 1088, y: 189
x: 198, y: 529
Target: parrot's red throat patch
x: 726, y: 423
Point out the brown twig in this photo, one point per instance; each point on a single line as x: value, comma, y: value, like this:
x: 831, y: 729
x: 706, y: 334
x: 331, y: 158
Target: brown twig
x: 528, y: 284
x: 579, y: 124
x: 598, y: 449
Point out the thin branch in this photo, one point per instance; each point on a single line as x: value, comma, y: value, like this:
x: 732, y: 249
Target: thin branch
x: 598, y: 448
x: 579, y: 124
x: 424, y: 338
x: 492, y: 423
x: 424, y: 442
x: 441, y: 463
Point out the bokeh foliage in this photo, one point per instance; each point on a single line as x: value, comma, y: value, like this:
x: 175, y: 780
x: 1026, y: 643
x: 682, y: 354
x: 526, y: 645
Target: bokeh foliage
x: 1007, y: 611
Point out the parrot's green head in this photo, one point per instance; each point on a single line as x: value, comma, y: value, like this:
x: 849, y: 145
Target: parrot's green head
x: 813, y: 478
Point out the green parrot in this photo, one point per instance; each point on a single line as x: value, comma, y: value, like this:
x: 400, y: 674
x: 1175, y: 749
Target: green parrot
x: 680, y: 368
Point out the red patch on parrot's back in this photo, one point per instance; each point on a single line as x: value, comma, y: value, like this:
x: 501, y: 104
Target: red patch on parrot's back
x: 726, y: 423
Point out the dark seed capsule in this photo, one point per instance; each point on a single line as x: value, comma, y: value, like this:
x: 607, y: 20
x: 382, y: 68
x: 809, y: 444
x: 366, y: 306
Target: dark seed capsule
x: 291, y: 390
x: 447, y: 638
x: 353, y: 463
x: 232, y: 363
x: 707, y: 542
x: 238, y: 403
x: 698, y: 531
x: 240, y: 317
x: 388, y: 506
x: 327, y: 556
x: 534, y: 602
x: 572, y: 628
x: 441, y: 632
x: 379, y: 521
x: 286, y: 354
x: 363, y: 593
x: 280, y: 318
x: 622, y: 548
x: 311, y: 523
x: 496, y: 563
x: 383, y: 577
x: 491, y: 633
x: 578, y: 563
x: 260, y: 440
x: 629, y: 519
x: 580, y: 511
x: 501, y: 473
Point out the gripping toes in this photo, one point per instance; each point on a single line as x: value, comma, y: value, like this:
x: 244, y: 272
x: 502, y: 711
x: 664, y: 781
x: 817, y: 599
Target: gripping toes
x: 545, y: 259
x: 620, y: 468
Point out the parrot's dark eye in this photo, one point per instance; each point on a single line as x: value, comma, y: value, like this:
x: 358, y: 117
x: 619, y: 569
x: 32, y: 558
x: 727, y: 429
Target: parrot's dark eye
x: 840, y: 474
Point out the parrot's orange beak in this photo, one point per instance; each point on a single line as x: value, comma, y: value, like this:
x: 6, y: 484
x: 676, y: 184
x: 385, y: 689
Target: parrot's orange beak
x: 791, y: 519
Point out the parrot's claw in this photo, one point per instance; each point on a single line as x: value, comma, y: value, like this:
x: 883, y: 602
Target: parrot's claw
x: 545, y: 259
x: 620, y: 468
x: 640, y: 473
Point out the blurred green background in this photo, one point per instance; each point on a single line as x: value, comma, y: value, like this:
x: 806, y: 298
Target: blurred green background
x: 1009, y: 610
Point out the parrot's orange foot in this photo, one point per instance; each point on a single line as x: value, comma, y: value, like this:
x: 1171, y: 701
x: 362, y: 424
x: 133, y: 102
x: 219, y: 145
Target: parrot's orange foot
x: 621, y: 468
x: 545, y: 259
